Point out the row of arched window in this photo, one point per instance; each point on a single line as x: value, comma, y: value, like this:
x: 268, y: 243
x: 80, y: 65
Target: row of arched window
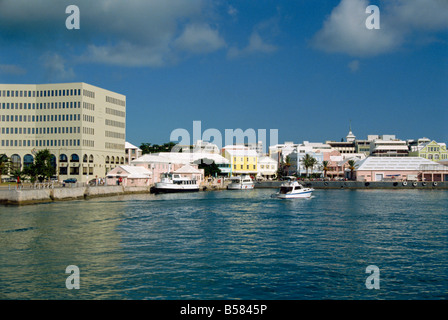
x: 28, y: 159
x: 114, y: 160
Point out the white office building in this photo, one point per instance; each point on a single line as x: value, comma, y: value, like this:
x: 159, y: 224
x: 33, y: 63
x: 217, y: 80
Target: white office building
x: 82, y: 125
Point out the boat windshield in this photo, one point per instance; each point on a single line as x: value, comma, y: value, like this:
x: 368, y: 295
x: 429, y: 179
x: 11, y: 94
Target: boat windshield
x: 284, y: 190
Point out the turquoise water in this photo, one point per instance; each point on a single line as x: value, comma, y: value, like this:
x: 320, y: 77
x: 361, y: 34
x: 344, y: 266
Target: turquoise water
x: 229, y: 245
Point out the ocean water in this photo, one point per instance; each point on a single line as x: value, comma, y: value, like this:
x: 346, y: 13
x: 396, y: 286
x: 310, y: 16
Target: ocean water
x: 229, y: 245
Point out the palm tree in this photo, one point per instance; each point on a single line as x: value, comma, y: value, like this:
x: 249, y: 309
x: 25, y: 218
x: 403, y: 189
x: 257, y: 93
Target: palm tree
x: 352, y: 166
x: 4, y: 165
x: 325, y: 167
x: 308, y: 162
x: 286, y: 165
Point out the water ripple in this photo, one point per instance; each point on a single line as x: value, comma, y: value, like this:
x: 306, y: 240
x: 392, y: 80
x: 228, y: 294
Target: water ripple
x: 229, y: 245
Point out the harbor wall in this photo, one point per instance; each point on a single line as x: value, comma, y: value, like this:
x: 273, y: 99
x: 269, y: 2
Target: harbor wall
x: 360, y: 185
x: 30, y: 196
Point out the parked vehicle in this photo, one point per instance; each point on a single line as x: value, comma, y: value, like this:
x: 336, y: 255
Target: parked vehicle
x: 70, y: 180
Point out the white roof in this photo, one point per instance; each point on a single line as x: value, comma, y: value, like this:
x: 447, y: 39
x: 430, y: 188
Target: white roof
x: 241, y: 152
x: 266, y: 160
x: 128, y: 145
x: 180, y: 157
x: 187, y: 169
x: 389, y: 142
x: 336, y: 158
x: 132, y: 172
x: 397, y: 163
x: 390, y: 147
x: 151, y: 158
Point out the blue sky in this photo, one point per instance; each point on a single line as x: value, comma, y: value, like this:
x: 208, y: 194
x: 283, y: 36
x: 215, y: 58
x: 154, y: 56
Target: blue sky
x: 305, y: 67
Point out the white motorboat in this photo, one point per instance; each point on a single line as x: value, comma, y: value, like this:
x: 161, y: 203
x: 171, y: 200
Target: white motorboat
x: 171, y: 182
x: 293, y: 189
x: 241, y: 183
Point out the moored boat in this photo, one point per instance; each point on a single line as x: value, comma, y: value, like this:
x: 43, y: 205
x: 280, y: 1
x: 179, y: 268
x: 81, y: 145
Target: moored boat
x: 171, y: 182
x: 241, y: 183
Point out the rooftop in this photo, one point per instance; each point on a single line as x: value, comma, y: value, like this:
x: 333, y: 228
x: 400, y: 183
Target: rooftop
x: 397, y: 164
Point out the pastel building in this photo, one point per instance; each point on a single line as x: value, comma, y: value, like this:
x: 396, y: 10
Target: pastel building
x: 267, y: 168
x: 132, y: 152
x: 130, y: 176
x: 297, y: 166
x: 163, y: 162
x: 388, y: 146
x: 347, y: 146
x: 335, y: 166
x: 242, y: 159
x: 204, y: 147
x: 400, y: 169
x: 279, y: 152
x: 430, y: 150
x: 83, y: 127
x: 156, y: 164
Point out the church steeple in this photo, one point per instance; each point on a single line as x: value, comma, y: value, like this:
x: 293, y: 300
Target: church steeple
x: 350, y: 137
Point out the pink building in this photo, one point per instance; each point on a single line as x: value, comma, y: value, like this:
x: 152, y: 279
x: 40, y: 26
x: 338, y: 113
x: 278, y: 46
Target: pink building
x: 129, y: 176
x: 165, y: 162
x: 400, y: 169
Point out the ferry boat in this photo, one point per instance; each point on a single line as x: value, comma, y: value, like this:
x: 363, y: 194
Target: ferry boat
x: 293, y: 189
x: 241, y: 183
x: 172, y: 182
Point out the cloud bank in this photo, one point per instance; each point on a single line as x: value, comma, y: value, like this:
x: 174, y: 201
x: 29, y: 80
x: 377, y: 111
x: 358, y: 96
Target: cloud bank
x: 344, y: 31
x: 130, y: 33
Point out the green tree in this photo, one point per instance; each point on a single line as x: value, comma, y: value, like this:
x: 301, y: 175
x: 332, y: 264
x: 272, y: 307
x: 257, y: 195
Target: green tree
x: 325, y: 165
x: 146, y: 147
x: 287, y: 165
x: 155, y: 148
x: 17, y: 173
x: 4, y: 165
x: 42, y: 168
x: 283, y: 168
x: 352, y: 166
x: 308, y: 162
x: 209, y: 166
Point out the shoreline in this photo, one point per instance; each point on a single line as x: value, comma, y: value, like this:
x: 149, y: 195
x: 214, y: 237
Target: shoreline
x: 49, y: 195
x: 406, y: 185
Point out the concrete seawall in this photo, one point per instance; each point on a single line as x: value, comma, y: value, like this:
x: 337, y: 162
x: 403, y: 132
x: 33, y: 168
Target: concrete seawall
x: 360, y: 185
x: 30, y: 196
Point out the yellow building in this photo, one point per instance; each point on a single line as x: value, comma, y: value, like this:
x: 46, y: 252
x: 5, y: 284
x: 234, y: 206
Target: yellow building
x: 242, y: 159
x: 430, y: 150
x: 83, y: 126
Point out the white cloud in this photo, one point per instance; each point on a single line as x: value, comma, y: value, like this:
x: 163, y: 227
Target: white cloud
x: 127, y: 54
x: 420, y: 14
x: 256, y: 45
x: 199, y: 38
x: 344, y: 31
x: 129, y: 33
x: 55, y: 67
